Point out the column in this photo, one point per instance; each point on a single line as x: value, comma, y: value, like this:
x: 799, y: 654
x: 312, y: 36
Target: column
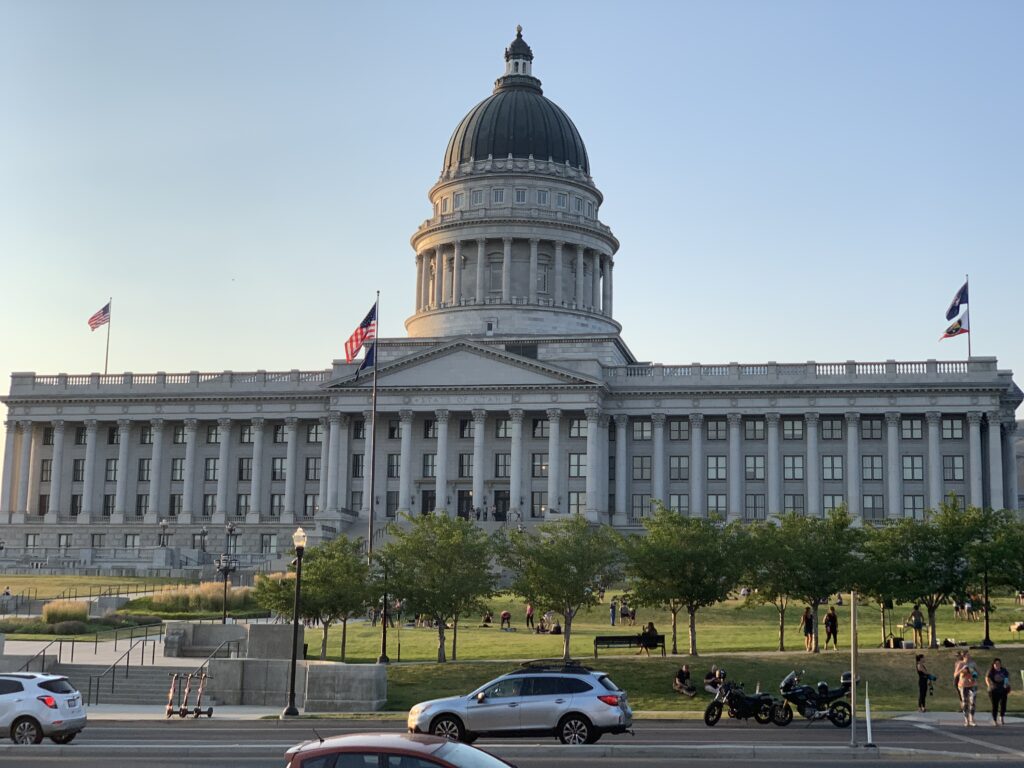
x: 441, y: 464
x: 554, y: 459
x: 602, y: 465
x: 341, y: 460
x: 658, y: 460
x: 735, y: 468
x: 609, y: 293
x: 893, y: 475
x: 774, y: 468
x: 405, y: 417
x: 445, y: 277
x: 124, y: 435
x: 256, y: 492
x: 579, y: 277
x: 23, y: 468
x: 593, y: 457
x: 813, y: 468
x: 370, y: 443
x: 977, y: 497
x: 188, y: 489
x: 325, y: 462
x: 223, y: 471
x: 1010, y: 468
x: 6, y: 490
x: 89, y: 478
x: 457, y: 274
x: 595, y: 302
x: 481, y: 269
x: 559, y: 295
x: 479, y: 434
x: 438, y: 280
x: 156, y: 473
x: 853, y: 471
x: 506, y: 271
x: 332, y: 467
x: 934, y: 420
x: 515, y: 483
x: 56, y: 472
x: 995, y: 461
x: 621, y: 468
x: 425, y: 280
x: 419, y: 281
x: 291, y: 430
x: 534, y: 242
x: 697, y: 501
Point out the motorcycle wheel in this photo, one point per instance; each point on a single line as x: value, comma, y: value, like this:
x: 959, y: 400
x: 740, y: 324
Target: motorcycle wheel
x: 713, y: 713
x: 782, y: 715
x: 764, y: 714
x: 839, y: 714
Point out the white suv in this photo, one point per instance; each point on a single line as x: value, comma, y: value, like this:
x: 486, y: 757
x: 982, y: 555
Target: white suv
x: 34, y: 705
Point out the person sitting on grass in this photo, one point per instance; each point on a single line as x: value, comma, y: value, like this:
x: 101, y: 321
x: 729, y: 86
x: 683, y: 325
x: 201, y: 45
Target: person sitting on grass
x: 712, y: 681
x: 681, y: 683
x: 487, y: 619
x: 557, y: 628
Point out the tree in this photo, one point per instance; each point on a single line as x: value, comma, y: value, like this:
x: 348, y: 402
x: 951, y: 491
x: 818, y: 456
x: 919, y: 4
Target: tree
x: 441, y: 567
x: 335, y: 586
x: 767, y: 568
x: 562, y: 566
x: 682, y: 562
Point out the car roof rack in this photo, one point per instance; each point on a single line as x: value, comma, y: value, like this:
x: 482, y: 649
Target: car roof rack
x: 571, y: 666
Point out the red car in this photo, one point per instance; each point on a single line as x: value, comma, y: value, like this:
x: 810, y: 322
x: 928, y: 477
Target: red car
x: 389, y: 750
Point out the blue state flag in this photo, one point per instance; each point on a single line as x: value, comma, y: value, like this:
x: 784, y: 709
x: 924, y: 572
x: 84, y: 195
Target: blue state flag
x: 954, y: 307
x: 368, y: 360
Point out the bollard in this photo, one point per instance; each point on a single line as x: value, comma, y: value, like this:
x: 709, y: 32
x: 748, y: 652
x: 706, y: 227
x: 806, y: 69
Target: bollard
x: 867, y: 714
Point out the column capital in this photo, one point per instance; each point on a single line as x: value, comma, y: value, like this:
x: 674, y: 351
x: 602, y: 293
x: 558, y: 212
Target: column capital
x: 892, y: 418
x: 26, y: 425
x: 974, y: 417
x: 734, y: 419
x: 291, y: 422
x: 258, y: 423
x: 604, y: 419
x: 994, y: 417
x: 853, y: 418
x: 368, y: 417
x: 621, y: 420
x: 481, y: 242
x: 58, y: 426
x: 554, y: 414
x: 812, y: 418
x: 534, y: 241
x: 697, y: 420
x: 406, y: 416
x: 224, y: 422
x: 91, y: 424
x: 1010, y: 426
x: 479, y: 415
x: 124, y: 423
x: 516, y: 414
x: 507, y: 240
x: 773, y: 418
x: 933, y: 417
x: 592, y: 414
x: 335, y: 417
x: 191, y: 424
x: 321, y: 420
x: 442, y: 414
x: 658, y: 419
x: 10, y: 424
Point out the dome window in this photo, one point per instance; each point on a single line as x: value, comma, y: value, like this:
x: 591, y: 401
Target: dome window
x: 520, y: 195
x: 590, y: 209
x: 460, y: 200
x: 478, y: 197
x: 579, y: 204
x: 542, y: 197
x: 499, y: 196
x: 444, y: 205
x: 563, y: 200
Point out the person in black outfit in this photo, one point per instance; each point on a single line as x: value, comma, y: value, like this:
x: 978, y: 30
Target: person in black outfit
x: 681, y: 683
x: 924, y: 683
x: 648, y: 639
x: 998, y: 681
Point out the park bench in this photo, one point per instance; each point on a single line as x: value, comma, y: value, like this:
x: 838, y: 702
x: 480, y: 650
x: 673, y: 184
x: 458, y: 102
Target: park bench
x: 625, y: 641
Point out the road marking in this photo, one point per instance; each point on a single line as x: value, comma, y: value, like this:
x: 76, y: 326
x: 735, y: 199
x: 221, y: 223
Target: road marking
x: 969, y: 740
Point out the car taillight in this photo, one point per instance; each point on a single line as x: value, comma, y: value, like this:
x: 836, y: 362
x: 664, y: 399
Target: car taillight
x: 611, y: 701
x: 48, y: 701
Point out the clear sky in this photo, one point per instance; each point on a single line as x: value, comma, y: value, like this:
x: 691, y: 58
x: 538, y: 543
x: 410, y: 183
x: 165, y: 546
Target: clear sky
x: 790, y: 181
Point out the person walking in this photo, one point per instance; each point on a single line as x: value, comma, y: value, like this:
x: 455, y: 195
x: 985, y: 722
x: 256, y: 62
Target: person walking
x: 529, y: 615
x: 916, y: 620
x: 966, y: 681
x: 807, y: 627
x: 924, y: 682
x: 611, y: 611
x: 832, y: 628
x: 998, y: 682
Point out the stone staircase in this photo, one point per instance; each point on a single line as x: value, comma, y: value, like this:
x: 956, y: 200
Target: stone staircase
x: 146, y: 685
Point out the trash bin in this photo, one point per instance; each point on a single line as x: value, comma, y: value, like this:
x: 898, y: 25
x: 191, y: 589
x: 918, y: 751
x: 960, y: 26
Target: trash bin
x: 305, y: 649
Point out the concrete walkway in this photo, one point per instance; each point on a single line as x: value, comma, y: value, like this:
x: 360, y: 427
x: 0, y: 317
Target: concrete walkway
x: 104, y: 652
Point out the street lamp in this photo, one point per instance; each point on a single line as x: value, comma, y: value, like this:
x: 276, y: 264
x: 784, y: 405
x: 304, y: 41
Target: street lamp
x: 225, y: 565
x: 202, y: 538
x: 299, y: 540
x: 383, y: 658
x: 163, y: 532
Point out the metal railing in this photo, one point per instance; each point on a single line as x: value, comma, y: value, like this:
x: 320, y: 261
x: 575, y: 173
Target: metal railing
x: 126, y: 657
x: 152, y: 632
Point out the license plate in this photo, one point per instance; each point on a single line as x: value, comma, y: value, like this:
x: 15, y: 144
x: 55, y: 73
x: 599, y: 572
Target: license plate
x: 72, y: 703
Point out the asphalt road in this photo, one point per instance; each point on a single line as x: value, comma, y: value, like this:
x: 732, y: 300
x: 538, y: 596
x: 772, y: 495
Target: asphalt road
x: 657, y: 744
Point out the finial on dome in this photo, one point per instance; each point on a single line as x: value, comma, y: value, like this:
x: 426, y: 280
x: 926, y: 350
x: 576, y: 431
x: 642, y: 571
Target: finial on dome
x: 519, y: 30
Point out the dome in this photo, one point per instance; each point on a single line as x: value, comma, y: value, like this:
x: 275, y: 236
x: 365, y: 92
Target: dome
x: 517, y: 120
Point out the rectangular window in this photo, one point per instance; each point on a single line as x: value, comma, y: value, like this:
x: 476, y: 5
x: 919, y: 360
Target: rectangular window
x: 520, y: 195
x: 641, y: 467
x: 640, y: 505
x: 911, y: 428
x: 243, y: 502
x: 913, y: 506
x: 110, y: 471
x: 444, y: 205
x: 539, y: 465
x: 430, y: 429
x: 63, y: 540
x: 280, y: 434
x: 429, y: 464
x: 679, y: 503
x: 831, y: 501
x: 178, y: 434
x: 538, y: 503
x: 913, y: 467
x: 871, y: 506
x: 199, y: 541
x: 753, y: 506
x: 562, y: 200
x: 753, y: 429
x: 80, y: 435
x: 953, y: 428
x: 477, y: 197
x: 177, y: 469
x: 793, y: 502
x: 146, y: 434
x: 577, y: 502
x: 577, y: 427
x: 498, y: 195
x: 502, y: 464
x: 716, y: 429
x: 391, y: 503
x: 76, y: 504
x: 77, y: 470
x: 174, y: 502
x: 466, y: 428
x: 831, y: 429
x: 754, y: 467
x: 465, y: 465
x: 314, y: 432
x: 209, y: 504
x: 952, y: 467
x: 460, y: 200
x: 245, y: 469
x: 394, y: 465
x: 641, y: 429
x: 144, y: 465
x: 792, y: 429
x: 716, y: 468
x: 831, y: 467
x: 311, y: 502
x: 245, y: 434
x: 590, y: 209
x: 792, y: 467
x: 357, y: 499
x: 577, y: 465
x: 44, y: 504
x: 231, y: 543
x: 359, y: 429
x: 394, y: 429
x: 717, y: 504
x: 276, y: 504
x: 212, y: 434
x: 578, y: 204
x: 611, y: 469
x: 108, y: 504
x: 357, y: 465
x: 113, y: 436
x: 678, y: 467
x: 141, y: 504
x: 678, y: 429
x: 871, y: 428
x: 131, y: 541
x: 45, y: 469
x: 97, y: 540
x: 542, y: 197
x: 31, y: 541
x: 47, y: 435
x: 210, y: 469
x: 541, y: 428
x: 278, y: 468
x: 268, y: 543
x: 871, y: 467
x: 502, y: 428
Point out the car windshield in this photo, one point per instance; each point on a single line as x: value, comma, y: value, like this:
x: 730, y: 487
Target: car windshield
x: 465, y: 756
x: 58, y: 686
x: 607, y: 683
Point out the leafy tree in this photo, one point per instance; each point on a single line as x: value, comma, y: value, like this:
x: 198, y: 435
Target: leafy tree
x: 335, y: 586
x: 276, y: 592
x: 682, y: 562
x: 441, y: 567
x: 562, y: 566
x: 767, y: 568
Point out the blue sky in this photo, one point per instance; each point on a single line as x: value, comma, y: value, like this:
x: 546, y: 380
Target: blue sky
x: 789, y: 180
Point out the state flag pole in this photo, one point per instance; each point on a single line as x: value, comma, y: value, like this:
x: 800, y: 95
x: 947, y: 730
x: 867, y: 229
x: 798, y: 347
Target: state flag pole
x: 967, y: 282
x: 110, y: 313
x: 373, y: 437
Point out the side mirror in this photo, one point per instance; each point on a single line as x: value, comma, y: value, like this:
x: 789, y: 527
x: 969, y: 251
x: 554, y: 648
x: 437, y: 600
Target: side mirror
x: 480, y: 697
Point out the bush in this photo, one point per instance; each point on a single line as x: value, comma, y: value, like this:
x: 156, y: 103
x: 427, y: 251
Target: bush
x: 70, y: 628
x: 57, y: 611
x: 207, y: 596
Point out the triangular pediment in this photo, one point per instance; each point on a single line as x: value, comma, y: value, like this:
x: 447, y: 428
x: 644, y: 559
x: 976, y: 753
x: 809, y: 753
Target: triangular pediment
x: 461, y: 364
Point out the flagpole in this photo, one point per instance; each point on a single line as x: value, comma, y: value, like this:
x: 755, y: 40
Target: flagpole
x: 373, y: 436
x: 110, y: 317
x: 967, y: 282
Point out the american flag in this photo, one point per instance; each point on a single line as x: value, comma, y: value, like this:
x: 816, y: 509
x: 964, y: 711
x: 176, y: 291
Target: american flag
x: 366, y: 331
x: 100, y: 318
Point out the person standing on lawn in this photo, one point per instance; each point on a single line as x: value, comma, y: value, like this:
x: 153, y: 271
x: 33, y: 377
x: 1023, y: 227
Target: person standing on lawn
x: 807, y: 627
x: 998, y: 681
x: 832, y: 628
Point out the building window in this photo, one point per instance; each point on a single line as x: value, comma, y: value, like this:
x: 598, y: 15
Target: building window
x: 359, y: 429
x: 911, y: 428
x: 753, y: 506
x: 466, y: 428
x: 144, y: 465
x: 110, y: 471
x: 174, y: 502
x: 541, y: 428
x: 31, y: 541
x: 141, y: 504
x: 477, y: 197
x: 831, y: 429
x: 913, y: 506
x: 47, y: 435
x: 394, y: 465
x: 792, y: 467
x: 465, y: 465
x: 577, y: 502
x: 679, y: 503
x: 243, y: 502
x: 716, y: 429
x: 640, y: 505
x: 177, y: 469
x: 45, y: 469
x: 641, y: 429
x: 611, y: 471
x: 502, y: 428
x: 577, y: 465
x: 209, y: 504
x: 678, y: 467
x: 108, y: 504
x: 871, y: 428
x: 793, y: 502
x: 278, y: 468
x: 539, y: 465
x: 460, y: 200
x: 131, y: 541
x: 498, y: 196
x: 231, y: 543
x: 113, y: 436
x: 444, y: 205
x: 146, y: 435
x: 678, y: 429
x: 952, y: 467
x: 429, y: 465
x: 538, y: 503
x: 542, y: 197
x: 754, y: 467
x: 502, y: 464
x: 831, y: 467
x: 280, y: 434
x: 210, y: 469
x: 314, y: 432
x: 717, y: 504
x: 312, y: 468
x: 245, y: 469
x: 578, y: 204
x: 831, y: 501
x: 44, y: 504
x: 753, y: 429
x: 391, y: 503
x: 577, y: 427
x: 430, y: 429
x: 178, y: 434
x: 212, y: 434
x: 590, y: 209
x: 792, y: 429
x: 357, y: 499
x: 276, y: 504
x: 871, y: 506
x: 913, y: 467
x: 77, y: 470
x: 871, y: 467
x: 394, y: 429
x: 268, y: 543
x: 310, y: 504
x: 562, y: 200
x: 641, y: 467
x: 716, y: 468
x: 97, y: 540
x: 357, y: 465
x: 953, y: 428
x: 245, y: 434
x: 64, y: 541
x: 76, y: 504
x: 80, y: 435
x: 520, y: 195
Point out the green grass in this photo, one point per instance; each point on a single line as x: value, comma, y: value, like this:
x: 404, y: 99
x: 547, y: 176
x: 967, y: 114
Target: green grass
x: 51, y: 586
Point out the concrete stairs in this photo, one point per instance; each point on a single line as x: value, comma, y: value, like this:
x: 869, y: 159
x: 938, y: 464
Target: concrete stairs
x: 146, y: 685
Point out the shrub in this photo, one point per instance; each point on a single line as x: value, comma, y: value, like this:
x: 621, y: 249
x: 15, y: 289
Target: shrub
x: 207, y: 596
x: 57, y: 611
x: 70, y: 628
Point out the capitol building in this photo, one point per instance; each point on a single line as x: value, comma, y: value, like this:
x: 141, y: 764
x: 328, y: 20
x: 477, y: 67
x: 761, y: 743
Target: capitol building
x: 513, y: 399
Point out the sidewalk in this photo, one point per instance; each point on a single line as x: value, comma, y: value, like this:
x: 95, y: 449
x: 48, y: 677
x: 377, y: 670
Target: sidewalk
x: 87, y: 652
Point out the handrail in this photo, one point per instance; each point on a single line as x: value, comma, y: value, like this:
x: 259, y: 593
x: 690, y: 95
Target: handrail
x: 206, y: 662
x: 126, y: 656
x: 73, y: 641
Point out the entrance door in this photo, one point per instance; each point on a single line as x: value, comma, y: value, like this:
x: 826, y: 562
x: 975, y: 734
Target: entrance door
x: 501, y: 505
x: 465, y: 508
x: 427, y: 497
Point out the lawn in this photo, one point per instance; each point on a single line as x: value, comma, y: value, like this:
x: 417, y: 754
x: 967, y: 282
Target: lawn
x: 49, y: 586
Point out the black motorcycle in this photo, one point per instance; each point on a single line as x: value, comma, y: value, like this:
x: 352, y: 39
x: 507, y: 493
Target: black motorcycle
x: 815, y: 703
x: 731, y: 698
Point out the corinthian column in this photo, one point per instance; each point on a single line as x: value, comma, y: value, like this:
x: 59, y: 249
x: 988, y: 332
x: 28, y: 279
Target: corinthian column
x: 813, y: 466
x: 333, y: 466
x: 559, y: 294
x: 291, y: 429
x: 256, y: 494
x: 595, y: 283
x: 24, y: 465
x: 893, y: 478
x: 554, y: 458
x: 419, y: 281
x: 56, y: 472
x: 156, y: 470
x: 457, y: 274
x: 124, y: 435
x: 853, y: 464
x: 506, y: 272
x: 189, y: 485
x: 977, y: 498
x: 579, y: 277
x: 223, y: 471
x: 405, y: 462
x: 6, y: 490
x: 774, y: 472
x: 658, y: 461
x: 481, y: 268
x: 89, y: 480
x: 534, y: 242
x: 698, y: 506
x: 515, y: 484
x: 995, y: 460
x: 621, y: 465
x: 593, y: 457
x: 479, y: 433
x: 934, y: 459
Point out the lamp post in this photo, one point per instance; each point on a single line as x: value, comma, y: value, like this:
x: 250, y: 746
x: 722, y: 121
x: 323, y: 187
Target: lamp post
x: 383, y: 658
x: 203, y: 533
x: 225, y: 566
x: 299, y: 540
x: 163, y: 532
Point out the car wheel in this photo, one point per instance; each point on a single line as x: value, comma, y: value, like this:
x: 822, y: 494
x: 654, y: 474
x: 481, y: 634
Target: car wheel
x: 63, y: 738
x: 448, y: 727
x: 839, y: 714
x: 25, y: 730
x: 576, y: 729
x: 713, y: 713
x: 782, y: 715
